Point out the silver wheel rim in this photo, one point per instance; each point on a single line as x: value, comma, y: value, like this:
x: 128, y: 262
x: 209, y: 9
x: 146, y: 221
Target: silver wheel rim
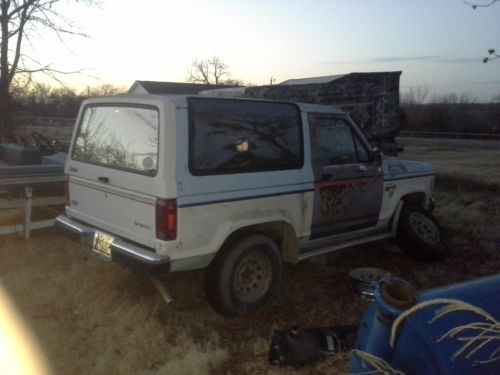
x: 423, y: 227
x: 365, y: 279
x: 253, y: 277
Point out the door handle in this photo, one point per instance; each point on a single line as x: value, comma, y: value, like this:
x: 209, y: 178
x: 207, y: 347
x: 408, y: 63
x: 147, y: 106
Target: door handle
x: 363, y: 168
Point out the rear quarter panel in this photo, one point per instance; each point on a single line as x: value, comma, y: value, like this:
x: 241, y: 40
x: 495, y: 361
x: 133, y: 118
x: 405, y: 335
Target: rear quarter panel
x: 401, y: 178
x: 210, y: 208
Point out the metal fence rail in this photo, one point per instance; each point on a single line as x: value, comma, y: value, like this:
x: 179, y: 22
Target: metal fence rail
x: 56, y: 128
x: 426, y: 134
x: 28, y: 183
x: 27, y: 204
x: 43, y: 121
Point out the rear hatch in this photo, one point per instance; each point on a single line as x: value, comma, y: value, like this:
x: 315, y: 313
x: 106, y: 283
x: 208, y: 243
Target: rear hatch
x: 113, y: 169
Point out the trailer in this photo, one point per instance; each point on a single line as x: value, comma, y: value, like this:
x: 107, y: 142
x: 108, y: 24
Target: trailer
x: 20, y: 182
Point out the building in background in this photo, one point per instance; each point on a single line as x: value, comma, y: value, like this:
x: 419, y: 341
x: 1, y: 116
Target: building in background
x: 371, y: 99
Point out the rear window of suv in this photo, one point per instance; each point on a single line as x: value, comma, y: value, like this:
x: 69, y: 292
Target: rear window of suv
x: 119, y: 136
x: 237, y: 136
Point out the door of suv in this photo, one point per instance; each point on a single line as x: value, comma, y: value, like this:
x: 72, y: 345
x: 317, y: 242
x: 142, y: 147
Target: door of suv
x: 348, y: 182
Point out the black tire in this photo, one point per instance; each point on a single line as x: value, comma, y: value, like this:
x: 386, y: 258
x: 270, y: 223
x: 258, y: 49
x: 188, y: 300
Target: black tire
x: 243, y: 276
x: 420, y: 235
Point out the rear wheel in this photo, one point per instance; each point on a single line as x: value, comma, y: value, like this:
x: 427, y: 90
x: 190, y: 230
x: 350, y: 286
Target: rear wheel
x: 420, y: 235
x: 243, y: 276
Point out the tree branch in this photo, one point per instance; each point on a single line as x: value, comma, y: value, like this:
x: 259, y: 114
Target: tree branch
x: 19, y: 8
x: 47, y: 69
x: 17, y: 53
x: 22, y: 18
x: 474, y: 6
x: 492, y: 55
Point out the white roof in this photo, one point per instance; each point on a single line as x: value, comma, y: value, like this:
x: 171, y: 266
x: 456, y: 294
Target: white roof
x: 231, y: 92
x: 180, y: 101
x: 312, y: 80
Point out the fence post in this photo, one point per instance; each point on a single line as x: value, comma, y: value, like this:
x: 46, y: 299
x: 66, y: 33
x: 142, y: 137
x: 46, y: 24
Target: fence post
x: 28, y: 191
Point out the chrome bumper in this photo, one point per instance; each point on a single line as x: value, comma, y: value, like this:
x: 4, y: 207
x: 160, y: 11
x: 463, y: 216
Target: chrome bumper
x: 125, y: 253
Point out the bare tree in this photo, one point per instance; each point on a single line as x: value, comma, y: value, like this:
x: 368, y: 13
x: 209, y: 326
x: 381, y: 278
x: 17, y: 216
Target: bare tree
x: 415, y: 96
x: 235, y: 82
x: 105, y: 89
x: 19, y: 21
x: 208, y: 71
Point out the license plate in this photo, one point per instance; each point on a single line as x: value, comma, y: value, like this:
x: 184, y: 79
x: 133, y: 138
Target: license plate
x: 102, y: 244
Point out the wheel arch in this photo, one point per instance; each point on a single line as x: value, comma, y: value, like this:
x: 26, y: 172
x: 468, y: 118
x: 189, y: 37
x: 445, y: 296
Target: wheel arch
x: 415, y: 199
x: 280, y: 232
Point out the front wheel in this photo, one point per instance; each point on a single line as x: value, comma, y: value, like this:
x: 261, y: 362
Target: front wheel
x: 244, y: 276
x: 420, y: 235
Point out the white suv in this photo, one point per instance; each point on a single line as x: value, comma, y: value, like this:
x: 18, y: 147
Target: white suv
x: 173, y: 183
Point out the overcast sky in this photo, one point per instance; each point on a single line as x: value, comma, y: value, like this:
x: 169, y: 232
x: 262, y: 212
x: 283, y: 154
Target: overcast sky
x: 437, y: 44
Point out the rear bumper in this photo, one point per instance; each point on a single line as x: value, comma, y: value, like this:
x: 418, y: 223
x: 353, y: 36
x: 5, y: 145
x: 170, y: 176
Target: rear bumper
x: 123, y: 252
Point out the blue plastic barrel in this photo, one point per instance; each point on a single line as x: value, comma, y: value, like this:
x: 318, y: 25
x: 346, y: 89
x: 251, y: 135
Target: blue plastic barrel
x: 419, y: 346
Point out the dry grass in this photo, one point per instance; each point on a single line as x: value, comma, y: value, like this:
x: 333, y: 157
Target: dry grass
x: 16, y: 216
x: 95, y: 317
x: 473, y: 160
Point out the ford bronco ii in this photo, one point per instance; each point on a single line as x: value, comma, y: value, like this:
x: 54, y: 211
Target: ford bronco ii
x: 236, y: 186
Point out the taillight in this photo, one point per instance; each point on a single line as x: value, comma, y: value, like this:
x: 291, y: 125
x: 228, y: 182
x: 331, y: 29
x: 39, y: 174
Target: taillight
x: 166, y: 219
x: 66, y: 192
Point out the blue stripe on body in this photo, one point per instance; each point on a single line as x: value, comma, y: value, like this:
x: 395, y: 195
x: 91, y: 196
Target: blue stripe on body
x: 243, y: 198
x: 204, y: 203
x: 409, y: 177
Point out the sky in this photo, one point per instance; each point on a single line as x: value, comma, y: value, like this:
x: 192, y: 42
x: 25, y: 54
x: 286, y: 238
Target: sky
x: 439, y: 45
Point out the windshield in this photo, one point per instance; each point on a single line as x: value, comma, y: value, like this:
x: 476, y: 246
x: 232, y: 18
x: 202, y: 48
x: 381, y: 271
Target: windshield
x: 122, y: 137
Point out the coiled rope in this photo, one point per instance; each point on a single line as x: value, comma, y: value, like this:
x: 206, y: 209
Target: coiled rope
x: 377, y: 363
x: 481, y: 333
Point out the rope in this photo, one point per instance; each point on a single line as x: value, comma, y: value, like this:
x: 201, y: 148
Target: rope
x: 377, y: 363
x: 485, y: 332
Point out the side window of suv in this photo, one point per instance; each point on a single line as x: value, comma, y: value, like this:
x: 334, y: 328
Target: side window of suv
x: 333, y: 141
x: 237, y: 136
x: 362, y: 152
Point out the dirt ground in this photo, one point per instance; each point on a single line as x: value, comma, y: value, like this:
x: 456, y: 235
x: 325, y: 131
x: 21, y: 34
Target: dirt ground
x: 91, y: 316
